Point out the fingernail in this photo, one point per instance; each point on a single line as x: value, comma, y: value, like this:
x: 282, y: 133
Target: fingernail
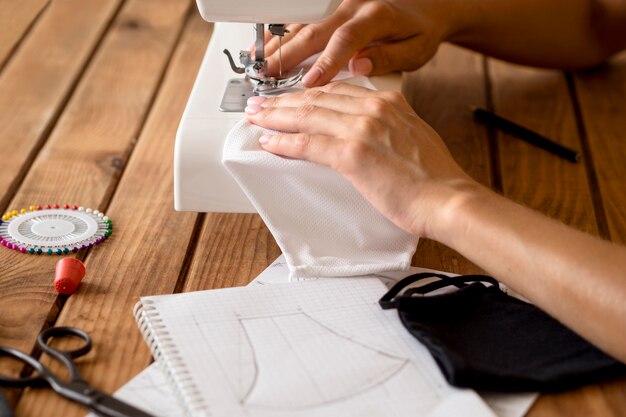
x: 256, y: 100
x: 264, y: 139
x: 312, y: 76
x: 252, y: 109
x: 362, y: 66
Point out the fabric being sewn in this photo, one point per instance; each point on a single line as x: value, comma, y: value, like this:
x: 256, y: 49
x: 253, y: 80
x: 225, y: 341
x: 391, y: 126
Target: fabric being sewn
x: 322, y: 224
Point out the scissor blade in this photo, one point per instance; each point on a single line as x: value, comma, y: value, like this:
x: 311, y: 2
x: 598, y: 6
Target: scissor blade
x: 107, y: 406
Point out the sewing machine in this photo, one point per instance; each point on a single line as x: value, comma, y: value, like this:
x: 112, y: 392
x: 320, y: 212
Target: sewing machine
x: 221, y: 89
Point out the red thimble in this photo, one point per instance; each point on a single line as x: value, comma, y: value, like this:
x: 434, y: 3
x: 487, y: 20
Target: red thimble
x: 68, y: 274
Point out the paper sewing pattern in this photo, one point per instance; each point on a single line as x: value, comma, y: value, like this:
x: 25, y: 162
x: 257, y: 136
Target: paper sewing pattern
x: 209, y: 355
x: 290, y: 351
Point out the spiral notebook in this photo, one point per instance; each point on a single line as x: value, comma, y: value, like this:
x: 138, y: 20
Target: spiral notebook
x: 298, y: 349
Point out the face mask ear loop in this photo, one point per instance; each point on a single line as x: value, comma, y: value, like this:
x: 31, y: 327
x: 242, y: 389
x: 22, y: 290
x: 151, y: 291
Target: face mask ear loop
x: 462, y: 279
x: 387, y: 301
x: 418, y: 290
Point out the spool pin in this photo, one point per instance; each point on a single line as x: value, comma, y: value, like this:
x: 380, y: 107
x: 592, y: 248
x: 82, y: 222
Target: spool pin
x: 68, y: 274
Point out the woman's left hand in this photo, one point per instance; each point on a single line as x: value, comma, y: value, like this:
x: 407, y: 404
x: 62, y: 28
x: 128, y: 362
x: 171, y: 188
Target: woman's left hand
x: 375, y: 140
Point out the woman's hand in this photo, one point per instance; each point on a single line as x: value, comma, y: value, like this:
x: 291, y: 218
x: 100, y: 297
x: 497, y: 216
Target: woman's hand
x: 372, y: 36
x: 375, y: 140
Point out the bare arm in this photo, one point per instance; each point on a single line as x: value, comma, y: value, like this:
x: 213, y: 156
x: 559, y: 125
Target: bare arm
x: 378, y: 36
x: 403, y: 168
x: 546, y: 33
x: 576, y: 278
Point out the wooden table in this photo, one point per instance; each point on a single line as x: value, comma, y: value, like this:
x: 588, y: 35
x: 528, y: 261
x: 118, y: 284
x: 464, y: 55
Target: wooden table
x: 91, y: 93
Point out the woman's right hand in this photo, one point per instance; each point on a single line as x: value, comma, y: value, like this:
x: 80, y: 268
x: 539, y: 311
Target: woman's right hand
x: 373, y: 36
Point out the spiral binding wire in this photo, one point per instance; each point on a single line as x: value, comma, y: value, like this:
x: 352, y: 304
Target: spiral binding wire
x: 171, y: 363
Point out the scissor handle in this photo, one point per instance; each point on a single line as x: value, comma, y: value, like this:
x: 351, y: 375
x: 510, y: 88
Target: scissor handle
x: 41, y: 373
x: 42, y: 341
x: 36, y: 379
x: 64, y: 356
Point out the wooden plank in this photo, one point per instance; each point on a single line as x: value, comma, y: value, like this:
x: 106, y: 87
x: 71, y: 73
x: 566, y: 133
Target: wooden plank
x: 540, y: 100
x: 602, y: 101
x: 16, y: 18
x: 83, y: 158
x: 34, y: 88
x: 232, y: 250
x: 601, y: 400
x: 146, y: 228
x: 441, y: 93
x: 38, y: 80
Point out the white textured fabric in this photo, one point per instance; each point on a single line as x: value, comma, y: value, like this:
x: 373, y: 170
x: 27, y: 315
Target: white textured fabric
x: 320, y: 221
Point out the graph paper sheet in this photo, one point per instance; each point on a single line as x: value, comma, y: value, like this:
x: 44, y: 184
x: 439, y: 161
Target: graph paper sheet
x: 150, y: 390
x: 302, y: 349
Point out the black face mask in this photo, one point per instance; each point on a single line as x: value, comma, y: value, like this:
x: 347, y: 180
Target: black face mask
x: 484, y: 339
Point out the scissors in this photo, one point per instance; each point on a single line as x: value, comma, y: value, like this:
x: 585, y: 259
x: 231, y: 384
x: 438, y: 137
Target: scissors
x: 76, y: 388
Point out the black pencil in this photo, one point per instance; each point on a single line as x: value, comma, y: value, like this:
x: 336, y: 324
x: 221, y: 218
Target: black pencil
x: 525, y: 134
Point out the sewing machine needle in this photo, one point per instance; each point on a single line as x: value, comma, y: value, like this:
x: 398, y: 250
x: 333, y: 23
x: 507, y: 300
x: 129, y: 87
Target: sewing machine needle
x: 280, y: 57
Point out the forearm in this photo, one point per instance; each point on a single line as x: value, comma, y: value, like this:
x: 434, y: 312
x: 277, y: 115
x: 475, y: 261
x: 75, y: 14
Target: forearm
x: 576, y: 278
x: 546, y: 33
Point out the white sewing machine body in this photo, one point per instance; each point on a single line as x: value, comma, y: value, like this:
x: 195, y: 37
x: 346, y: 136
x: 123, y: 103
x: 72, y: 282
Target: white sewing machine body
x: 266, y: 11
x: 201, y: 183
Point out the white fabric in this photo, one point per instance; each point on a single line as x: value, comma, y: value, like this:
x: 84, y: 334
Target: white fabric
x: 320, y: 221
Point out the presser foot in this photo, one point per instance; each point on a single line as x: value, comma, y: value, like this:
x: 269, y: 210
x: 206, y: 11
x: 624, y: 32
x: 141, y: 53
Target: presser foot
x: 255, y: 74
x: 269, y: 85
x: 239, y: 90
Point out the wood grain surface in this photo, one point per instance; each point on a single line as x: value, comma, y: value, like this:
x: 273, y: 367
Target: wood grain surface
x: 38, y: 81
x: 602, y: 101
x: 149, y: 244
x: 91, y: 94
x: 82, y: 159
x: 34, y: 88
x: 540, y: 100
x: 231, y: 250
x: 16, y: 18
